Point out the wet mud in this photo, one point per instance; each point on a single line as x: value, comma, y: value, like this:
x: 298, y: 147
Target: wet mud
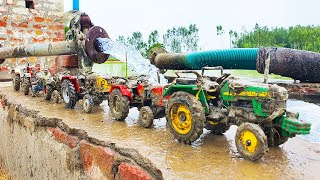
x: 210, y: 157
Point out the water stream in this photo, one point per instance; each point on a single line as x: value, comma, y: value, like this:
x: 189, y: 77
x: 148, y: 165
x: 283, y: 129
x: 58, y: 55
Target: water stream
x: 136, y: 62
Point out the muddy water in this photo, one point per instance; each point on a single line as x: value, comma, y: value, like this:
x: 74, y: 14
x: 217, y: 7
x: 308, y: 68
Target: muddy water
x: 210, y: 157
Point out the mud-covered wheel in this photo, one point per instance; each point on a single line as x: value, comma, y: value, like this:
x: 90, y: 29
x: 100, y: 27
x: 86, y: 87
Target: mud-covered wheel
x: 119, y: 105
x: 87, y: 103
x: 68, y: 92
x: 218, y: 128
x: 251, y: 141
x: 278, y: 138
x: 26, y: 86
x: 185, y: 116
x: 16, y: 82
x: 47, y: 92
x: 55, y: 96
x: 146, y: 117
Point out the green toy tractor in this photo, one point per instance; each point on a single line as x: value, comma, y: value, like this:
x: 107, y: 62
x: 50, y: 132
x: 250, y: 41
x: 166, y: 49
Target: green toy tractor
x: 215, y: 103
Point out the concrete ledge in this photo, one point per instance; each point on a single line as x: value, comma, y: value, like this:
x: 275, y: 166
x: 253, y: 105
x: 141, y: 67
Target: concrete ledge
x: 37, y: 147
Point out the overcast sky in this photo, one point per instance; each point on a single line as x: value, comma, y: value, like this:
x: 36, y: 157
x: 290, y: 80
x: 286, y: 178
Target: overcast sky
x: 122, y: 17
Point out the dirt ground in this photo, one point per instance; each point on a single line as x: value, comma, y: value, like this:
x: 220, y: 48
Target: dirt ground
x: 210, y: 157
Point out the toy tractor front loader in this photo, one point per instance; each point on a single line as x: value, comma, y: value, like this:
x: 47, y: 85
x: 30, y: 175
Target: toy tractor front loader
x: 215, y: 103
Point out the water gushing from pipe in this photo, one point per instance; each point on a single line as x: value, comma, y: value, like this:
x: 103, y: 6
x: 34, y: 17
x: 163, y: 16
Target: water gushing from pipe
x: 136, y: 62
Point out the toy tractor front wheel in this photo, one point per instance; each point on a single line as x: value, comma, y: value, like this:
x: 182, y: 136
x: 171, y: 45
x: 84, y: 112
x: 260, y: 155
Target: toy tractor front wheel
x: 68, y: 93
x: 185, y: 116
x: 16, y: 82
x: 251, y: 141
x: 26, y: 86
x: 47, y: 92
x: 146, y: 117
x: 87, y: 103
x: 119, y: 105
x: 278, y: 138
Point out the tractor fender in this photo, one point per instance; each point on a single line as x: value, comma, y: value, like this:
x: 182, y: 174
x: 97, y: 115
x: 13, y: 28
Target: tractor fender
x: 124, y: 90
x: 74, y: 81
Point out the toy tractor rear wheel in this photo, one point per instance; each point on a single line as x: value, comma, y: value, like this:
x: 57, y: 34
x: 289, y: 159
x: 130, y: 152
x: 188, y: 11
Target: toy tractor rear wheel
x: 119, y: 105
x: 251, y: 141
x: 26, y: 86
x: 87, y: 103
x: 146, y: 117
x: 185, y: 116
x: 68, y: 93
x: 16, y: 82
x: 47, y: 92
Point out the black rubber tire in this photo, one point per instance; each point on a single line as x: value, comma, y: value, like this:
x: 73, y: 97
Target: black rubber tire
x: 26, y: 86
x: 119, y: 105
x: 69, y: 91
x: 218, y: 129
x: 260, y: 136
x: 278, y: 139
x: 197, y: 114
x: 146, y: 117
x: 55, y: 96
x: 16, y: 82
x: 87, y: 103
x: 47, y: 92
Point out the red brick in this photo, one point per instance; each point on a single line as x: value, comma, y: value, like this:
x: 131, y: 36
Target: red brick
x: 39, y: 40
x: 59, y: 35
x: 4, y: 18
x: 49, y: 20
x: 67, y: 61
x: 15, y: 40
x: 58, y: 39
x: 20, y: 25
x: 3, y: 39
x: 130, y: 172
x: 64, y: 138
x: 56, y: 27
x: 96, y: 158
x: 39, y: 26
x: 9, y: 31
x: 39, y: 19
x: 3, y: 23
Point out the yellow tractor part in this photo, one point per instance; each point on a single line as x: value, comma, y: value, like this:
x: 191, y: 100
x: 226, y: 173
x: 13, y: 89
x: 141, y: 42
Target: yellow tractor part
x: 181, y: 118
x: 249, y: 141
x: 102, y: 84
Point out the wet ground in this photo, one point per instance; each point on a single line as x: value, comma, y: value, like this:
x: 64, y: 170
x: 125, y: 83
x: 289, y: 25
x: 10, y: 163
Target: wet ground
x: 210, y: 157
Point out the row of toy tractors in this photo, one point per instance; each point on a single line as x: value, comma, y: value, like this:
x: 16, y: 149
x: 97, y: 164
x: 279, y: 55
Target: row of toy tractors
x: 189, y: 105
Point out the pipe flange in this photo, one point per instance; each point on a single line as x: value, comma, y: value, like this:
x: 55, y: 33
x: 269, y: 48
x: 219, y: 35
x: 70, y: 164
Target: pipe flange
x: 93, y: 34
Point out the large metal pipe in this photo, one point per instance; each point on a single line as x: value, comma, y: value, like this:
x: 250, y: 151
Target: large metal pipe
x: 43, y: 49
x: 296, y: 64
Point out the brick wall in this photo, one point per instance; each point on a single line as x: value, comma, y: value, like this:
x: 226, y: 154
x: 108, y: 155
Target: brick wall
x: 20, y: 25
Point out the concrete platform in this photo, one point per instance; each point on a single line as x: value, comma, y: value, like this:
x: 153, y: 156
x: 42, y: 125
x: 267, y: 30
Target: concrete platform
x: 41, y: 139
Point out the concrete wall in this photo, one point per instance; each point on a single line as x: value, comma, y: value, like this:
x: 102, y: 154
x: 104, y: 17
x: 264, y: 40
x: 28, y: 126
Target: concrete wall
x: 36, y: 147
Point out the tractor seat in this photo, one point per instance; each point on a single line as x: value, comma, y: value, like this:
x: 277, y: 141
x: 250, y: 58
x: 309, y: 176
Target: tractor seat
x: 186, y: 81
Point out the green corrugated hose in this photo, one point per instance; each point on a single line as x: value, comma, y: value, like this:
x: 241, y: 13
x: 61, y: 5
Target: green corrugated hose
x: 240, y: 58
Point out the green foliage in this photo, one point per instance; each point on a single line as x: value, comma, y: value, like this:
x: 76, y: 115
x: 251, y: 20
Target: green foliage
x: 181, y: 39
x: 297, y: 37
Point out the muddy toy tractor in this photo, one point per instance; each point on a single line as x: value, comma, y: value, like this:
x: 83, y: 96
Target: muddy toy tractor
x: 259, y: 111
x: 22, y: 77
x: 92, y: 88
x: 136, y: 92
